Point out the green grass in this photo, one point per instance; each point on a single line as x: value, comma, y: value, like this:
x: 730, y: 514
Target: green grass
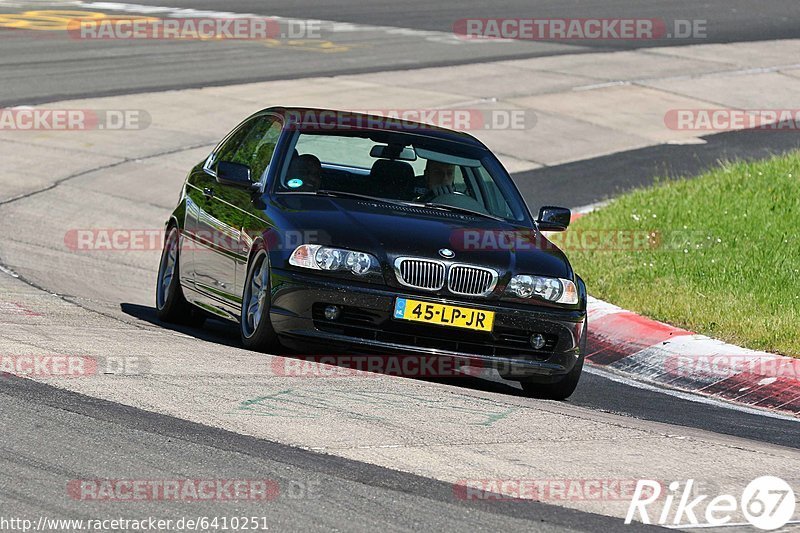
x: 726, y: 259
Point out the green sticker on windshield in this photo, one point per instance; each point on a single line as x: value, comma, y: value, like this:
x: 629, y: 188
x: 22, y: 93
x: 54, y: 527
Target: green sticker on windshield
x: 295, y: 183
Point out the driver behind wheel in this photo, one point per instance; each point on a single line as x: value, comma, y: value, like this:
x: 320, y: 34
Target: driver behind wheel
x: 439, y: 178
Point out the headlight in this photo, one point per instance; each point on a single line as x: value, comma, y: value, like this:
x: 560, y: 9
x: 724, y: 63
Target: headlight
x: 317, y: 257
x: 330, y: 258
x: 359, y: 262
x: 558, y: 290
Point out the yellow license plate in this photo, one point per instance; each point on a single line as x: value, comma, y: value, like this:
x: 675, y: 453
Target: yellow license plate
x: 443, y: 315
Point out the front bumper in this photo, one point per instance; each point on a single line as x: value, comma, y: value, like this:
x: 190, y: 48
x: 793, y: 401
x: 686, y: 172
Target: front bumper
x: 367, y: 326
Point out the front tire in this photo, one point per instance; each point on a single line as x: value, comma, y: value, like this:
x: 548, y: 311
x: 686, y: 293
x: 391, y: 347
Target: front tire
x: 171, y: 305
x: 563, y: 388
x: 255, y: 326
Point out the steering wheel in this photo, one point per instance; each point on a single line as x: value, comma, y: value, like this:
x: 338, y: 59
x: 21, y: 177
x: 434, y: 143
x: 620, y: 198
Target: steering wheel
x: 459, y: 199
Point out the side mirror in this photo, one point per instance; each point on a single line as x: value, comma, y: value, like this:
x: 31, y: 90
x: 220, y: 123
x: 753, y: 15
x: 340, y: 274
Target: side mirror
x: 234, y: 174
x: 553, y: 218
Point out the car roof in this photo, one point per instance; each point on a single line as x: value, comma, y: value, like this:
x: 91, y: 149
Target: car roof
x: 311, y: 116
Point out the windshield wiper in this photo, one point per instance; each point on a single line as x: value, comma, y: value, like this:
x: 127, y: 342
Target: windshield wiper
x: 462, y: 210
x: 465, y: 211
x: 344, y: 194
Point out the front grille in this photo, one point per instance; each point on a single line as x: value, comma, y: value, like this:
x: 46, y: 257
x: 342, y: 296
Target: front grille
x: 420, y: 273
x: 471, y: 281
x: 430, y: 275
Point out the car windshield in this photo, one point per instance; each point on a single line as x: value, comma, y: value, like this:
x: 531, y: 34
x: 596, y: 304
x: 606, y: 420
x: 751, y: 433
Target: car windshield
x: 401, y: 167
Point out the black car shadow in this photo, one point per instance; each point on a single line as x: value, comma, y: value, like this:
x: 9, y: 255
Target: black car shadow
x: 226, y: 333
x: 216, y: 331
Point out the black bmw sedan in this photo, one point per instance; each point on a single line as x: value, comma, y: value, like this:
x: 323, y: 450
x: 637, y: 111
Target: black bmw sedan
x: 321, y: 231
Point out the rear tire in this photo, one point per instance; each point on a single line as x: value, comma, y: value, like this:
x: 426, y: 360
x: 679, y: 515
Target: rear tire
x: 171, y: 305
x: 254, y: 325
x: 563, y: 388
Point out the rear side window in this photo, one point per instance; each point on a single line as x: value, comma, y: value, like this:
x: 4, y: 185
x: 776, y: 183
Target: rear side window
x: 253, y: 144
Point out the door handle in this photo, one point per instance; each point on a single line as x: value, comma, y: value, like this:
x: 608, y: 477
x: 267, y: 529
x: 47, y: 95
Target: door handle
x: 208, y: 193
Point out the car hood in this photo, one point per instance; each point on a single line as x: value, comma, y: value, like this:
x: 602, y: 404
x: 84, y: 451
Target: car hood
x: 389, y: 231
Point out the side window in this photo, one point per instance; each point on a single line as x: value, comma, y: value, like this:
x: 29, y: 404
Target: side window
x: 253, y: 145
x: 227, y: 151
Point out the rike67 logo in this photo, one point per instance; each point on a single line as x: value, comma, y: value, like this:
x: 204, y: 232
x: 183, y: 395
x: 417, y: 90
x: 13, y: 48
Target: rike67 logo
x: 767, y: 503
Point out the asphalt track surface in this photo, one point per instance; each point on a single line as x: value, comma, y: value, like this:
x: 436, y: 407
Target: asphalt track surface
x: 59, y: 435
x: 728, y: 20
x: 42, y: 66
x: 585, y: 182
x: 314, y: 491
